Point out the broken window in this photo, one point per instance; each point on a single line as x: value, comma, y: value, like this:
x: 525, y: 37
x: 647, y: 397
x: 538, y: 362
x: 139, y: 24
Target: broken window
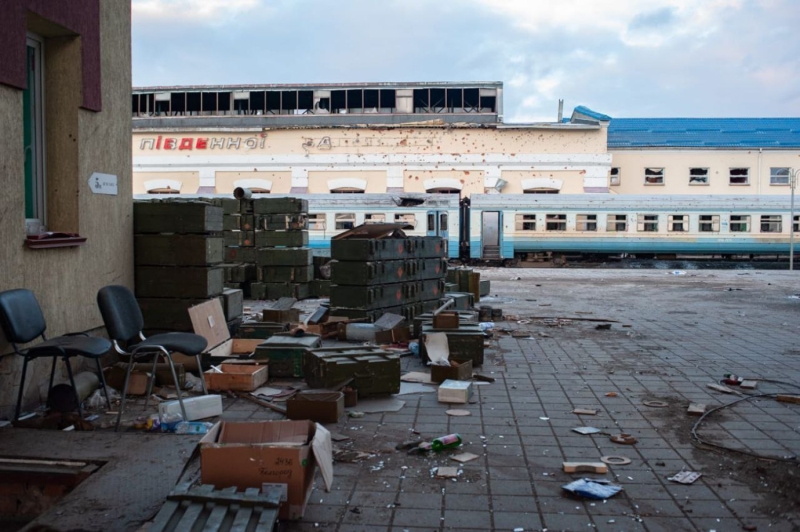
x: 698, y: 176
x: 678, y: 223
x: 443, y: 190
x: 407, y: 218
x: 617, y: 223
x: 739, y: 176
x: 431, y: 222
x: 586, y: 222
x: 556, y: 222
x: 796, y: 224
x: 345, y: 221
x: 614, y: 176
x: 647, y: 223
x: 526, y: 222
x: 653, y: 176
x: 316, y: 222
x: 347, y: 190
x: 709, y: 223
x: 740, y: 223
x: 771, y: 223
x: 165, y: 190
x: 374, y: 218
x: 779, y: 176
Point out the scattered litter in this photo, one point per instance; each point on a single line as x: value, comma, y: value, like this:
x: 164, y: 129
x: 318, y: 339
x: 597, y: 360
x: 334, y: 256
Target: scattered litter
x: 458, y: 412
x: 585, y: 411
x: 593, y: 489
x: 464, y: 457
x: 417, y: 376
x: 544, y: 335
x: 335, y: 436
x: 266, y: 391
x: 748, y: 385
x: 447, y: 472
x: 732, y: 380
x: 585, y: 467
x: 696, y: 409
x: 544, y: 418
x: 677, y: 272
x: 655, y: 404
x: 623, y: 438
x: 685, y: 477
x: 586, y: 430
x: 611, y: 394
x: 414, y: 387
x: 523, y: 322
x: 350, y: 456
x: 615, y: 460
x: 483, y: 378
x: 355, y: 414
x: 486, y: 325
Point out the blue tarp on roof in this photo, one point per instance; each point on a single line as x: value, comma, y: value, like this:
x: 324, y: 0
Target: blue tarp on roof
x: 704, y: 133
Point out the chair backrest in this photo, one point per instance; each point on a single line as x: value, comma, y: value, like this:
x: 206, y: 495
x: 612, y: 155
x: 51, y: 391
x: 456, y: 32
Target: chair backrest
x: 21, y: 316
x: 121, y: 314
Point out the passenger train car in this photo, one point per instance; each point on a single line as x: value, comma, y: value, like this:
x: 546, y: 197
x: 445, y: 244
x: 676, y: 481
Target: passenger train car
x: 504, y: 227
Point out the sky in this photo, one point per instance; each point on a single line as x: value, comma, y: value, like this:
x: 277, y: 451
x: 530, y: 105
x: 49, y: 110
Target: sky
x: 624, y: 58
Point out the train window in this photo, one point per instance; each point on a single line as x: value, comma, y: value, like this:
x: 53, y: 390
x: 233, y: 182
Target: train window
x: 698, y: 176
x: 678, y: 223
x: 614, y: 176
x: 345, y: 221
x: 374, y: 218
x: 779, y: 176
x: 739, y: 176
x: 443, y: 221
x: 587, y: 222
x: 409, y: 219
x: 740, y: 223
x: 771, y: 223
x: 647, y: 223
x: 653, y: 176
x: 431, y: 222
x: 796, y: 224
x: 526, y: 222
x: 316, y: 222
x: 709, y: 223
x: 556, y: 222
x: 617, y: 223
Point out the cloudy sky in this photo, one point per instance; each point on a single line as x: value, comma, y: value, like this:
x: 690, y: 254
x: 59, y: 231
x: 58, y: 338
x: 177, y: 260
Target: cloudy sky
x: 625, y: 58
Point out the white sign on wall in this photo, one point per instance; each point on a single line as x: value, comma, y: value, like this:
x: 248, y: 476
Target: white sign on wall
x: 103, y: 184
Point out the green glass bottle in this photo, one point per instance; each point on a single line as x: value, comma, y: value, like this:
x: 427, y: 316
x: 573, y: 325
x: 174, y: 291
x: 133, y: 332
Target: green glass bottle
x: 450, y: 441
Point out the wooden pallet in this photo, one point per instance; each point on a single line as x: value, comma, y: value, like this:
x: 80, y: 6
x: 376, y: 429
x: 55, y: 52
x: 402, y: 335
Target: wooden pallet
x: 204, y: 508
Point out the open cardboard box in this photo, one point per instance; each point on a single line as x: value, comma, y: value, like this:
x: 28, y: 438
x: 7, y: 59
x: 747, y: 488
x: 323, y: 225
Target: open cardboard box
x: 208, y: 321
x: 250, y: 454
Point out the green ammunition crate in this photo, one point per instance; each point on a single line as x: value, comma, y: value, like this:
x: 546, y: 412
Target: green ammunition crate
x: 432, y: 289
x: 464, y: 343
x: 286, y: 239
x: 428, y: 247
x: 178, y: 217
x: 240, y: 238
x: 232, y: 303
x: 408, y: 311
x: 280, y: 206
x: 177, y: 250
x: 161, y: 314
x: 258, y: 291
x: 260, y: 329
x: 369, y: 249
x: 485, y: 287
x: 180, y: 282
x: 374, y: 371
x: 464, y: 318
x: 246, y: 206
x: 285, y: 353
x: 284, y: 222
x: 370, y: 297
x: 284, y: 257
x: 249, y: 222
x: 464, y: 275
x: 229, y: 205
x: 295, y: 290
x: 430, y: 269
x: 461, y: 300
x: 371, y: 273
x: 240, y: 254
x: 285, y: 274
x: 239, y: 273
x: 244, y: 287
x: 452, y: 276
x: 230, y: 222
x: 320, y: 288
x: 450, y: 287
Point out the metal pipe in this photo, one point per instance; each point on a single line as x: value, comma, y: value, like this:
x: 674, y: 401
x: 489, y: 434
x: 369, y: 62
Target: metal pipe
x: 242, y: 193
x: 446, y: 305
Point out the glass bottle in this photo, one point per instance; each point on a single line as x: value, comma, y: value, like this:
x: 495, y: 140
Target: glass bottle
x: 450, y: 441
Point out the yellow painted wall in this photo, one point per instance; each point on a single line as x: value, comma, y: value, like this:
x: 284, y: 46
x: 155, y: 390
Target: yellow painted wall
x: 572, y: 180
x: 78, y: 143
x: 190, y: 181
x: 472, y: 181
x: 281, y: 181
x: 318, y: 181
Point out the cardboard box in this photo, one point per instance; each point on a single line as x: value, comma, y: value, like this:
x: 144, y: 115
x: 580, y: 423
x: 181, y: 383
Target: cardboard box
x: 198, y: 407
x: 314, y: 405
x: 457, y: 371
x: 455, y: 392
x: 208, y: 321
x: 398, y: 335
x: 250, y: 454
x: 115, y: 378
x: 239, y: 377
x: 446, y: 320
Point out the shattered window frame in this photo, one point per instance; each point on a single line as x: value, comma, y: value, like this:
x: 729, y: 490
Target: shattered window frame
x: 525, y: 222
x: 739, y: 176
x: 586, y: 222
x: 614, y: 221
x: 408, y: 218
x: 344, y: 221
x: 708, y: 223
x: 317, y: 221
x: 739, y: 223
x: 771, y: 223
x: 698, y: 176
x: 647, y: 223
x: 555, y: 222
x: 678, y: 223
x: 374, y: 218
x: 653, y: 176
x: 780, y: 176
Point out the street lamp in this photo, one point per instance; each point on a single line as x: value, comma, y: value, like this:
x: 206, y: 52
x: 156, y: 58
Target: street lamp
x: 792, y: 183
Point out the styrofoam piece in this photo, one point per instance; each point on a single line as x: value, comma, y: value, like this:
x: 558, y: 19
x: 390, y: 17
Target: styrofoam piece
x: 199, y: 407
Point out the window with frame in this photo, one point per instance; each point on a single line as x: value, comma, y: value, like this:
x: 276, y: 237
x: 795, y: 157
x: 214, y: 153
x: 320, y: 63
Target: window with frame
x: 345, y: 221
x: 698, y: 176
x: 525, y: 222
x: 406, y: 218
x: 431, y: 222
x: 586, y: 222
x: 317, y: 222
x: 739, y: 223
x: 708, y: 223
x: 739, y: 176
x: 374, y: 218
x: 647, y: 223
x: 771, y: 223
x: 33, y: 136
x: 678, y: 223
x: 779, y: 176
x: 346, y: 190
x: 614, y: 176
x: 617, y: 223
x: 556, y: 222
x: 653, y: 176
x: 796, y: 224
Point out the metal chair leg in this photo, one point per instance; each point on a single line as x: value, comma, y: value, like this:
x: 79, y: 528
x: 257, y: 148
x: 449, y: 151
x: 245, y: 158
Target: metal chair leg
x: 124, y: 394
x: 151, y: 381
x: 177, y: 387
x: 52, y: 375
x: 103, y: 382
x: 202, y: 377
x: 21, y: 388
x: 75, y: 388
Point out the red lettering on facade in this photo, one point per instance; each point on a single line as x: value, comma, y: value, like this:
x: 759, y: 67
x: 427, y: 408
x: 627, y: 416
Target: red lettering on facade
x: 170, y: 144
x: 186, y: 144
x: 202, y: 143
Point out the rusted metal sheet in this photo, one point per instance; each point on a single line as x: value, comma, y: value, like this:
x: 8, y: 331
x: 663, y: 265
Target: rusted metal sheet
x: 374, y: 231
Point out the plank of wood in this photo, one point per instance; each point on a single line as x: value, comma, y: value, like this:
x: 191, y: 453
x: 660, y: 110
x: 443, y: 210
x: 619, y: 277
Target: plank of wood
x: 241, y: 520
x: 189, y: 517
x: 585, y: 467
x: 789, y: 399
x: 266, y: 522
x: 276, y: 408
x: 164, y: 516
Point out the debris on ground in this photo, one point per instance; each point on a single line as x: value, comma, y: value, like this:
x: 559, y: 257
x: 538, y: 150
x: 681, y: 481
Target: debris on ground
x: 585, y: 467
x: 586, y: 430
x: 464, y: 457
x: 685, y: 477
x: 623, y: 438
x: 585, y: 411
x: 447, y: 472
x: 593, y: 488
x: 615, y: 460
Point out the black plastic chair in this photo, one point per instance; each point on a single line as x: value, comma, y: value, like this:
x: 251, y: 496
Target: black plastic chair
x: 124, y: 322
x: 22, y: 322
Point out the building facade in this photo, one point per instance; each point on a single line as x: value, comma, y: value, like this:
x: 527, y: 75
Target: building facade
x: 65, y: 75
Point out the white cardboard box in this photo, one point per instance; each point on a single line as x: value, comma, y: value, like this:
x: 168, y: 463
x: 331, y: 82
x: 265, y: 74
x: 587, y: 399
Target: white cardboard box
x: 197, y: 407
x: 451, y: 391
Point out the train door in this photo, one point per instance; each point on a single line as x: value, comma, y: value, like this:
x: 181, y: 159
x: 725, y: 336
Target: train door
x: 491, y: 225
x: 438, y: 225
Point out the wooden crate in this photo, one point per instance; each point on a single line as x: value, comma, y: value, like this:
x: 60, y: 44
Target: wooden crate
x: 236, y: 377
